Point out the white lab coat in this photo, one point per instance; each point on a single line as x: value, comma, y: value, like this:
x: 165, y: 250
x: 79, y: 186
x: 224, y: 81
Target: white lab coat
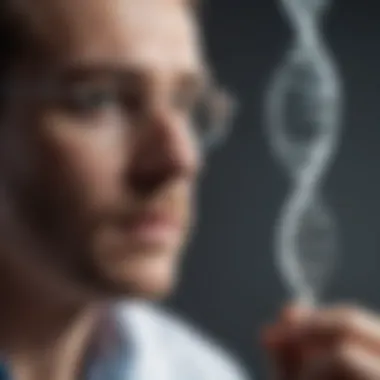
x: 166, y: 348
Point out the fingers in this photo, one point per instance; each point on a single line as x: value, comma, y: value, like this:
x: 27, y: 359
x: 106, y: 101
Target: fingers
x: 341, y: 362
x: 345, y: 362
x: 326, y: 327
x: 344, y: 342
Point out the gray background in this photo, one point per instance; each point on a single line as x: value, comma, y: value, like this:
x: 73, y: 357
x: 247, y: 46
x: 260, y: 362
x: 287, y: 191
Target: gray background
x: 230, y: 287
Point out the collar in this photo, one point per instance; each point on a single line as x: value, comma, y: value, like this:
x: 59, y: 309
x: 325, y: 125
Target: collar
x: 108, y: 356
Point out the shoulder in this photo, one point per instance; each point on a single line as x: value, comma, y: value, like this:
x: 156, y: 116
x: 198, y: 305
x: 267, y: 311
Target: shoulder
x: 186, y: 345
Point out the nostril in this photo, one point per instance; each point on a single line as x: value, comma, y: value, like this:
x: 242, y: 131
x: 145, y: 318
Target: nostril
x: 155, y: 169
x: 145, y: 181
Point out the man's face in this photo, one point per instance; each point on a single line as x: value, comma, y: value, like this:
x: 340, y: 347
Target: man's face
x: 112, y: 156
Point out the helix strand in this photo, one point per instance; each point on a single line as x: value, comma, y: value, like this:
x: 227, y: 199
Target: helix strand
x: 303, y: 118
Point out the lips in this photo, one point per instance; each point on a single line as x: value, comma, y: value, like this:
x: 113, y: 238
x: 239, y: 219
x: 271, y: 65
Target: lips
x: 152, y: 227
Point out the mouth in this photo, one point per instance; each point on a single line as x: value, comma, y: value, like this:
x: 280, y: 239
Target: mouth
x: 152, y: 228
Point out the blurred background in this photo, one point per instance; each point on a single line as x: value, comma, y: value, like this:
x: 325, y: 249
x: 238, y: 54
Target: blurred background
x: 230, y: 286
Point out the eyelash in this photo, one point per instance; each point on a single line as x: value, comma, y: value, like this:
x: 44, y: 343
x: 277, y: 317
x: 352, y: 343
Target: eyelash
x: 88, y: 101
x: 76, y: 100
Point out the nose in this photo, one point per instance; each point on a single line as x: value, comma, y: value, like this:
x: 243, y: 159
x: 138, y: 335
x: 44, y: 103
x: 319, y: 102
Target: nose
x: 165, y: 152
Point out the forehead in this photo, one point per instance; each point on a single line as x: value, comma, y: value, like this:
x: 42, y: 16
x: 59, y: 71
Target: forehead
x: 159, y: 35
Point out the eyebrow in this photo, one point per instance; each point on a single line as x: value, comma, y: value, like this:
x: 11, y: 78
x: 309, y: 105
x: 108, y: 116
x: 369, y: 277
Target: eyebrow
x: 82, y: 72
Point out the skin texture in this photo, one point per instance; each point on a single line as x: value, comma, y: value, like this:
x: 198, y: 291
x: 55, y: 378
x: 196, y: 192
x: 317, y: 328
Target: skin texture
x: 110, y: 144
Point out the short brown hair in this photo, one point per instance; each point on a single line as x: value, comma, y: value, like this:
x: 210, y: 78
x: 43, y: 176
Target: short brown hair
x: 13, y: 43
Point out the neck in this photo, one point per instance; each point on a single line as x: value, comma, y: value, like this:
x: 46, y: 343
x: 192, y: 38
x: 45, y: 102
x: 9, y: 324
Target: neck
x: 41, y: 336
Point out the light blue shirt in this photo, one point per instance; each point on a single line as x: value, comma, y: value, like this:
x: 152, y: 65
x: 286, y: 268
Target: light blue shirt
x: 153, y: 344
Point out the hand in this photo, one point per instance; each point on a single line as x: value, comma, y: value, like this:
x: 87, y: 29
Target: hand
x: 330, y: 344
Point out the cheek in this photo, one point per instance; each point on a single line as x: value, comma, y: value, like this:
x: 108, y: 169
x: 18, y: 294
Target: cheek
x: 93, y: 158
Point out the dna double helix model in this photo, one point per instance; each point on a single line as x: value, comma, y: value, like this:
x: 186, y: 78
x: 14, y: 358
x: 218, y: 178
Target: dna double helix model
x: 303, y: 124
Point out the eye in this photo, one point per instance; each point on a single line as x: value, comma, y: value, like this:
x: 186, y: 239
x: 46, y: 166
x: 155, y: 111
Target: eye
x: 90, y: 99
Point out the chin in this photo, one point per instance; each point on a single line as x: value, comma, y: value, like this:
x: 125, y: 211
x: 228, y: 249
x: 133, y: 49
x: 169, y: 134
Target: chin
x: 143, y: 276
